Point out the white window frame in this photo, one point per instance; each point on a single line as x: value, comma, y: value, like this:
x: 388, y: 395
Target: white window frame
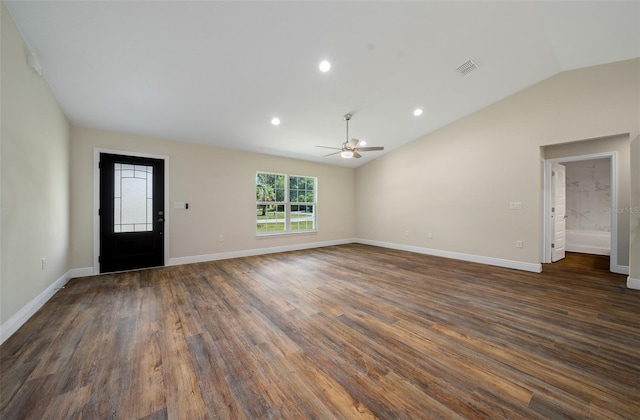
x: 287, y: 204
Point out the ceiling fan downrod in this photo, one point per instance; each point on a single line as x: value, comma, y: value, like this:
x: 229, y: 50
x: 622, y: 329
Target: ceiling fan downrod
x: 347, y: 117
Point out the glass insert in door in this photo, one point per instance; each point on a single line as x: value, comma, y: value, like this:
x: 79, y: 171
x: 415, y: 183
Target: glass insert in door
x: 133, y: 198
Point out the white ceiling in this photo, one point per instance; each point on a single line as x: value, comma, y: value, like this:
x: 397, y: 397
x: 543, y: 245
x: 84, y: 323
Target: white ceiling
x: 217, y: 72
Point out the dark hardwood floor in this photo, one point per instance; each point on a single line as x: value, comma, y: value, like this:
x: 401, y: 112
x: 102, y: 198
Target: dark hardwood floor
x: 349, y: 331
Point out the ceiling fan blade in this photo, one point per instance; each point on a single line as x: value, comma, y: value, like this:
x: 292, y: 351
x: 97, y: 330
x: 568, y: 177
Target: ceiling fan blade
x: 369, y: 149
x: 353, y: 143
x: 350, y: 147
x: 327, y: 147
x: 334, y: 153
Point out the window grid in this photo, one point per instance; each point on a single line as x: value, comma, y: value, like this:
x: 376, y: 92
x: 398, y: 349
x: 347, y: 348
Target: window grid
x: 285, y: 203
x: 133, y: 198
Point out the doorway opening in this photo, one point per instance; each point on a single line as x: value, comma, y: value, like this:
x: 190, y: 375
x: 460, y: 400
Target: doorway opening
x: 579, y: 215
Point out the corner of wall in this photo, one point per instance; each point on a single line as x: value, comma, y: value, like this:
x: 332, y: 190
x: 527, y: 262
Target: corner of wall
x: 34, y: 181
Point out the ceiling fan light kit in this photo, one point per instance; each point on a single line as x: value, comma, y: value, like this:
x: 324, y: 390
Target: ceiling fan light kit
x: 351, y: 148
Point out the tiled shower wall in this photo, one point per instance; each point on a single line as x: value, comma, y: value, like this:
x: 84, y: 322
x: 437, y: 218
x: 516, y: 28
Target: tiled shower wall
x: 589, y: 195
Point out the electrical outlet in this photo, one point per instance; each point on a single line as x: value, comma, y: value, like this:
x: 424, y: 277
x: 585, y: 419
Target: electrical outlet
x: 430, y: 235
x: 406, y: 233
x: 515, y: 205
x: 519, y: 244
x: 221, y: 238
x: 44, y: 263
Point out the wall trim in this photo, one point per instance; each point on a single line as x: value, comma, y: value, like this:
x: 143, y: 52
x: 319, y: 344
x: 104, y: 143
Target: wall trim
x: 257, y: 251
x: 81, y: 272
x: 18, y: 319
x: 517, y: 265
x: 620, y: 269
x: 633, y: 283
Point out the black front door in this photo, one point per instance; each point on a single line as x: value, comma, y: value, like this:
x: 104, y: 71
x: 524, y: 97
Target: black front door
x: 131, y: 212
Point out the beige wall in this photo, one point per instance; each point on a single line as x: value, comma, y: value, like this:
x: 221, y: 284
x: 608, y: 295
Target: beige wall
x: 634, y: 213
x: 219, y: 186
x: 35, y: 179
x: 458, y: 181
x: 621, y: 145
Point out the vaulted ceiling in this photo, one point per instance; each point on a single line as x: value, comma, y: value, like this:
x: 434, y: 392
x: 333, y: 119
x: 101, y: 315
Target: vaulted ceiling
x: 218, y: 72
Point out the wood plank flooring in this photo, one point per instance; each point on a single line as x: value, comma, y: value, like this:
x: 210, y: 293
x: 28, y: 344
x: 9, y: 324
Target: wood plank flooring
x: 346, y: 332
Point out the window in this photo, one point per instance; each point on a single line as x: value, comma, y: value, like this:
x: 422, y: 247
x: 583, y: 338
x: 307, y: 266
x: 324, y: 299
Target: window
x: 132, y: 198
x: 285, y: 203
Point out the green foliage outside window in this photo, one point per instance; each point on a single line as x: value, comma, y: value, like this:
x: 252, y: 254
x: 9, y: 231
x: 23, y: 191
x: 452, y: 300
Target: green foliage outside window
x: 277, y: 203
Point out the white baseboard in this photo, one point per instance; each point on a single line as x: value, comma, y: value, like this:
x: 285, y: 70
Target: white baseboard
x: 81, y: 272
x: 518, y: 265
x: 633, y: 283
x: 18, y: 319
x: 620, y: 269
x: 252, y: 252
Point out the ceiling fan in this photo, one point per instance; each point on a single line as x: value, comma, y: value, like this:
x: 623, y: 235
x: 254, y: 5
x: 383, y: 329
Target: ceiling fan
x: 351, y: 147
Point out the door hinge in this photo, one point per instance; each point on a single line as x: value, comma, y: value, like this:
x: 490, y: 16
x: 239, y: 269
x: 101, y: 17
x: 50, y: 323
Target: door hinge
x: 553, y: 173
x: 99, y: 212
x: 553, y: 209
x: 99, y: 165
x: 99, y: 259
x: 553, y: 245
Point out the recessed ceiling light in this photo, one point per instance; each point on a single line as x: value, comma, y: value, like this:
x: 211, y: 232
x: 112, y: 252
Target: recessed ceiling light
x: 275, y: 121
x: 417, y: 112
x: 324, y: 66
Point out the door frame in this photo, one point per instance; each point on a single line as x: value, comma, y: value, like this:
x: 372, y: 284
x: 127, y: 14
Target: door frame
x: 548, y: 199
x: 96, y: 200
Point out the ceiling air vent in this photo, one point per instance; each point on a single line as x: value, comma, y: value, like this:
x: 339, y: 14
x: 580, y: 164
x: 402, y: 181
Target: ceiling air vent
x: 467, y: 67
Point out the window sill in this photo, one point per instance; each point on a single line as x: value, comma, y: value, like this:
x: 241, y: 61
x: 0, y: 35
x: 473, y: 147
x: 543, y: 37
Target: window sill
x: 290, y: 233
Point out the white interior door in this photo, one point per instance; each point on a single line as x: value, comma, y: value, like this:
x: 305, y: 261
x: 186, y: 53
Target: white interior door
x: 558, y: 211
